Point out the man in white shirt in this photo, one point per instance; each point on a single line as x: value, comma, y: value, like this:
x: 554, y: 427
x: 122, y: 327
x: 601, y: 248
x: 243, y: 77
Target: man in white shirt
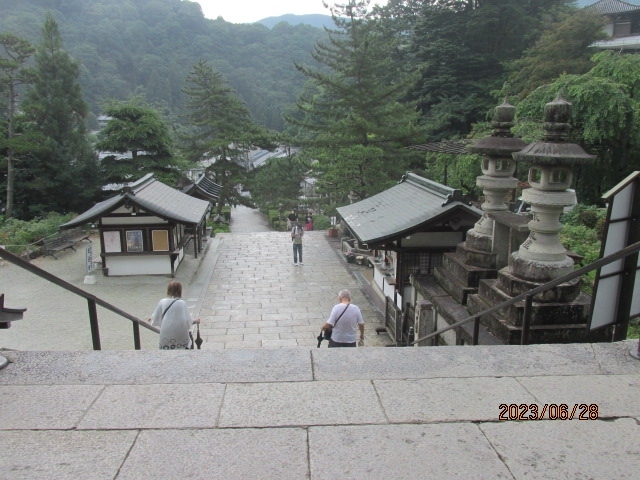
x: 344, y: 321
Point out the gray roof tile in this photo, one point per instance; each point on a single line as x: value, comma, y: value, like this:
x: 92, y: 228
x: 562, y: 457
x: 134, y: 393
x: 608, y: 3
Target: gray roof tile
x: 414, y: 202
x: 152, y: 196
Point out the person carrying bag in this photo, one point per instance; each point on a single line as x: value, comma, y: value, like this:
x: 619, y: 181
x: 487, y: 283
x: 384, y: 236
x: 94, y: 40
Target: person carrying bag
x: 343, y: 334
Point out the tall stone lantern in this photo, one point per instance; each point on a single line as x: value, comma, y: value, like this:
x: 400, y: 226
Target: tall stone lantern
x: 542, y: 257
x: 498, y: 167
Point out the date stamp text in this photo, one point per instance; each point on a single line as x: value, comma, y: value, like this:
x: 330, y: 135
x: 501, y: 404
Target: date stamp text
x: 551, y: 411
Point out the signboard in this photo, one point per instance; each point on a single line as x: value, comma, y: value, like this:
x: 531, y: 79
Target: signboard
x: 617, y: 285
x: 89, y: 256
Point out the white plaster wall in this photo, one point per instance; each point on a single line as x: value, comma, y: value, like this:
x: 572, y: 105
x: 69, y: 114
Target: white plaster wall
x: 139, y: 265
x: 433, y: 239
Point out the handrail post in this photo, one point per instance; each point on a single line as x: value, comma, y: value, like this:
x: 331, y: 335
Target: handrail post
x: 526, y: 320
x: 476, y: 330
x: 93, y: 322
x: 136, y: 335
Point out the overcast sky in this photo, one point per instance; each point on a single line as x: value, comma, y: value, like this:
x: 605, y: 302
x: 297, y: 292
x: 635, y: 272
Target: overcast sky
x: 249, y: 11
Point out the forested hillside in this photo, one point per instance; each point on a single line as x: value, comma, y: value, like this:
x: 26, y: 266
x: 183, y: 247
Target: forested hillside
x: 147, y: 46
x: 387, y: 78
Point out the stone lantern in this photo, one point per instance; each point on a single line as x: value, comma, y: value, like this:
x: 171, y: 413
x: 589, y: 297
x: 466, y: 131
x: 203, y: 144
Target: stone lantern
x: 559, y: 314
x: 542, y: 257
x: 496, y: 181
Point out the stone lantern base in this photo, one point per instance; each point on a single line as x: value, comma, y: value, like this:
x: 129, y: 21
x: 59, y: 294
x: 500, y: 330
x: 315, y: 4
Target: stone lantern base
x: 539, y: 271
x: 559, y: 315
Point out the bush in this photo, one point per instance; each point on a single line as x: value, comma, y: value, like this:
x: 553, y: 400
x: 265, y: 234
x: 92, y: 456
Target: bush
x: 586, y: 215
x: 583, y: 241
x: 321, y: 222
x: 17, y: 234
x: 220, y: 228
x: 588, y: 218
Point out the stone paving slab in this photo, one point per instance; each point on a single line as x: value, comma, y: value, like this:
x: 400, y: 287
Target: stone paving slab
x: 439, y: 451
x: 300, y: 404
x: 568, y: 449
x: 615, y: 358
x: 449, y: 399
x: 612, y: 395
x: 156, y: 367
x: 277, y: 453
x: 46, y: 455
x: 155, y: 406
x: 461, y: 361
x: 42, y: 407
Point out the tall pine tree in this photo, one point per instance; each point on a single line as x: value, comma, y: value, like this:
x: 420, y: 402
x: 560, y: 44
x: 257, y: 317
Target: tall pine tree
x: 351, y: 118
x: 13, y: 73
x: 222, y: 129
x: 63, y: 176
x: 139, y: 142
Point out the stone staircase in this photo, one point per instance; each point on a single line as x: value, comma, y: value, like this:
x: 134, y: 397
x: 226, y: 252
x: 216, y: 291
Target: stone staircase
x: 461, y: 278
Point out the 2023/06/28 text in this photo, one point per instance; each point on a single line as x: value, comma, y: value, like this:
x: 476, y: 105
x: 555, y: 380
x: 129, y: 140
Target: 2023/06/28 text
x: 550, y: 411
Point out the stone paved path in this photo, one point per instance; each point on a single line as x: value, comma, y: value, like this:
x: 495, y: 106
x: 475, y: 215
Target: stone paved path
x: 256, y: 298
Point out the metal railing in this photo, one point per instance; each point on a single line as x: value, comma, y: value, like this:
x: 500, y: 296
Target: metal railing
x: 92, y: 300
x: 528, y: 299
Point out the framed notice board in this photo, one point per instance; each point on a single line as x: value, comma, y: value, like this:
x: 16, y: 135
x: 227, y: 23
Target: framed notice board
x: 160, y: 240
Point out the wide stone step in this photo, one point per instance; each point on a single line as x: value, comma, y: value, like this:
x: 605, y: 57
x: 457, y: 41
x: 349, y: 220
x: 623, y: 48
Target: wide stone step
x: 514, y: 286
x: 468, y: 275
x: 512, y: 335
x: 476, y: 258
x: 452, y: 285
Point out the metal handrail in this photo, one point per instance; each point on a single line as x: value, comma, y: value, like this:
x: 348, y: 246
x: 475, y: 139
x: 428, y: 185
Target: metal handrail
x: 528, y: 297
x: 92, y: 300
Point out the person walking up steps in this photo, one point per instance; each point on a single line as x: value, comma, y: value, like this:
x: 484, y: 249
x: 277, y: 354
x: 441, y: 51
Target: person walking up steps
x: 297, y: 233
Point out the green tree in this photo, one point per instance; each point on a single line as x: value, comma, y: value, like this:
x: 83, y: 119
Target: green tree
x: 564, y: 48
x: 277, y: 182
x: 63, y: 175
x: 461, y: 48
x: 604, y: 119
x: 13, y: 74
x: 351, y: 117
x: 143, y: 141
x: 222, y: 129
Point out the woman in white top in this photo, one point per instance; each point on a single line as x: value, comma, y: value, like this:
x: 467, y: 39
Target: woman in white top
x: 344, y: 321
x: 174, y: 319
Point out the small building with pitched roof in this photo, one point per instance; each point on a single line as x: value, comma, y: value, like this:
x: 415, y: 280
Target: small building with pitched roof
x: 623, y: 24
x: 409, y: 227
x: 145, y: 229
x: 203, y: 188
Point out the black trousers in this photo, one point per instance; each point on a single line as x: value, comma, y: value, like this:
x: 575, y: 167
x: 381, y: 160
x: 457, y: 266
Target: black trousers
x: 333, y: 344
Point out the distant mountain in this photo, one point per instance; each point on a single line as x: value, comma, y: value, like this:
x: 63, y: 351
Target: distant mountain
x: 147, y: 47
x: 584, y: 3
x: 315, y: 20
